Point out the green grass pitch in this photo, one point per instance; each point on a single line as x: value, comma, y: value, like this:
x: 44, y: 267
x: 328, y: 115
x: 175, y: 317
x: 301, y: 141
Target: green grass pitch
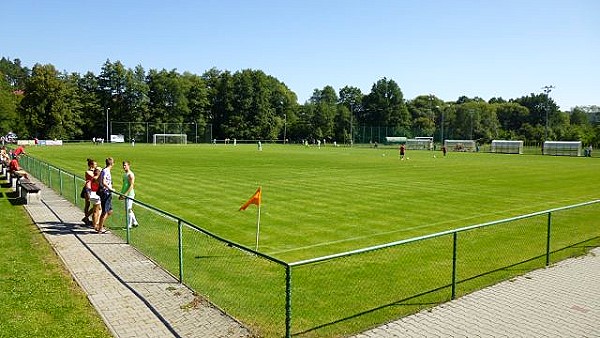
x: 329, y: 200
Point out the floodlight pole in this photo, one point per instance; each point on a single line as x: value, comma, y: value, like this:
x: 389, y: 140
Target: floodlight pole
x: 547, y: 90
x: 351, y: 123
x: 284, y: 128
x: 441, y: 126
x: 107, y: 110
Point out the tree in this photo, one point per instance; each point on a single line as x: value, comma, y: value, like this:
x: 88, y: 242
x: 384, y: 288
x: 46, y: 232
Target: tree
x: 385, y: 106
x: 538, y: 105
x: 511, y: 116
x: 50, y: 106
x: 112, y: 84
x: 167, y: 94
x: 14, y: 73
x: 579, y: 117
x: 423, y: 110
x: 8, y: 106
x: 351, y: 98
x: 324, y: 110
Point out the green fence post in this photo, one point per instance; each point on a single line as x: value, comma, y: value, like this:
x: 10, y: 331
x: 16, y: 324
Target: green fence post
x: 60, y: 181
x: 548, y: 239
x: 75, y: 189
x: 180, y: 234
x: 454, y: 241
x: 288, y: 301
x: 49, y: 177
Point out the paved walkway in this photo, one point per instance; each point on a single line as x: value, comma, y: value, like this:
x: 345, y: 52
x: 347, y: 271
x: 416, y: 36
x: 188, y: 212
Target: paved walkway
x: 560, y: 301
x: 134, y: 296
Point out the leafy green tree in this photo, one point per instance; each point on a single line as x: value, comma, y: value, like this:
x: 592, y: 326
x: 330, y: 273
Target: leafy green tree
x: 538, y: 105
x: 351, y: 98
x: 198, y: 101
x: 50, y: 105
x: 14, y: 73
x: 424, y: 111
x: 324, y: 110
x: 511, y: 115
x: 112, y: 84
x: 579, y: 117
x: 92, y: 112
x: 385, y: 106
x: 167, y: 94
x: 8, y: 107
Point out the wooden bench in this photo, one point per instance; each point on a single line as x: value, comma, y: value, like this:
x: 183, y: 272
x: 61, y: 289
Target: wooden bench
x: 30, y: 192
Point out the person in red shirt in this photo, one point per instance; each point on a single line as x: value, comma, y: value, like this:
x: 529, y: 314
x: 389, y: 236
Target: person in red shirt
x: 85, y: 192
x: 20, y: 150
x: 14, y: 167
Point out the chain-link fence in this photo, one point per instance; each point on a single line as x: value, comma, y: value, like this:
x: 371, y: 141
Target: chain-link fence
x: 346, y: 292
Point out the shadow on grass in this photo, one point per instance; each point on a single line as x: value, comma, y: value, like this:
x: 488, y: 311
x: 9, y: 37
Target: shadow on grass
x: 14, y: 198
x: 407, y: 302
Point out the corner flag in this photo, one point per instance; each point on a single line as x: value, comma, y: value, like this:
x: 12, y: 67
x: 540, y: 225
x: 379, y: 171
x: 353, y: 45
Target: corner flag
x: 255, y: 199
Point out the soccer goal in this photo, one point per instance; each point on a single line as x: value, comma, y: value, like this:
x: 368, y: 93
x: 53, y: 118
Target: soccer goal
x: 507, y: 147
x: 420, y: 143
x: 169, y: 139
x: 460, y: 145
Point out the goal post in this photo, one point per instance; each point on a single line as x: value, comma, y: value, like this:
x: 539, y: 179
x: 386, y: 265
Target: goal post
x: 169, y: 139
x: 460, y: 145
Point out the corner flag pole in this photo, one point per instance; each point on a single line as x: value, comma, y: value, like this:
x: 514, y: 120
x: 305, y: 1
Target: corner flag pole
x: 257, y: 226
x: 257, y: 200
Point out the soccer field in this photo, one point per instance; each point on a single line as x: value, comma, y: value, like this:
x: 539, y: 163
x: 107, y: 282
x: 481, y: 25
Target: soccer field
x: 329, y: 200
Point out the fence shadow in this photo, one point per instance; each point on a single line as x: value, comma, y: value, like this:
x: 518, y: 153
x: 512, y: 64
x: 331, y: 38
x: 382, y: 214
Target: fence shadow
x: 424, y: 305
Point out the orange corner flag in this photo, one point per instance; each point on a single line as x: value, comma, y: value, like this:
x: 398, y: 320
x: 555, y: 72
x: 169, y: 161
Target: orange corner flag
x: 255, y: 199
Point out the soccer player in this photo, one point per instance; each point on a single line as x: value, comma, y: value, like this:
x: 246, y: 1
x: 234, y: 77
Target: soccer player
x: 127, y: 190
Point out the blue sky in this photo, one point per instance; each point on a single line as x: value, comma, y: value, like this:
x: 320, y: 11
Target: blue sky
x: 488, y: 49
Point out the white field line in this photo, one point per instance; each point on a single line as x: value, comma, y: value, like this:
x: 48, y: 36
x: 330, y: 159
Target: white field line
x: 397, y: 231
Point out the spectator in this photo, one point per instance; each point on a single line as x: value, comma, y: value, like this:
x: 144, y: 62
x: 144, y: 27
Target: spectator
x: 87, y: 188
x: 95, y: 200
x: 20, y: 150
x: 128, y: 190
x: 105, y: 191
x: 4, y: 157
x: 14, y: 167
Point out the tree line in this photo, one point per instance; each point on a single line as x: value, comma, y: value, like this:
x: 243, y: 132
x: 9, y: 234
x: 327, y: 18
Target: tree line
x: 42, y: 102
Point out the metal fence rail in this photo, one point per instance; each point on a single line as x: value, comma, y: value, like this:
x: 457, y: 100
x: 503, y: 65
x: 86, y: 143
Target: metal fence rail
x: 367, y: 286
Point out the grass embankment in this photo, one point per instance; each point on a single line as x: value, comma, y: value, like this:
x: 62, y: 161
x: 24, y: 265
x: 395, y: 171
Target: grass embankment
x: 38, y: 298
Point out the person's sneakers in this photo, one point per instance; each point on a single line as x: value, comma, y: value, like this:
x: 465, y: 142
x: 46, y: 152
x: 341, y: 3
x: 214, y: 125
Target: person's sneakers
x: 135, y: 224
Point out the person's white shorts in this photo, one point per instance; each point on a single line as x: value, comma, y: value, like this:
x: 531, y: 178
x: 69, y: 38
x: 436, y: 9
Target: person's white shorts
x: 94, y: 198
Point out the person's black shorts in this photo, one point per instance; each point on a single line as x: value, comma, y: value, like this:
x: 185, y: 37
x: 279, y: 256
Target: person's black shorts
x: 106, y: 202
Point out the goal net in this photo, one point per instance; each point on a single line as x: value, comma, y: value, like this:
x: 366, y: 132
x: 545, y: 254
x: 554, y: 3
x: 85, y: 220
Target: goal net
x: 460, y: 145
x: 169, y: 139
x: 420, y: 143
